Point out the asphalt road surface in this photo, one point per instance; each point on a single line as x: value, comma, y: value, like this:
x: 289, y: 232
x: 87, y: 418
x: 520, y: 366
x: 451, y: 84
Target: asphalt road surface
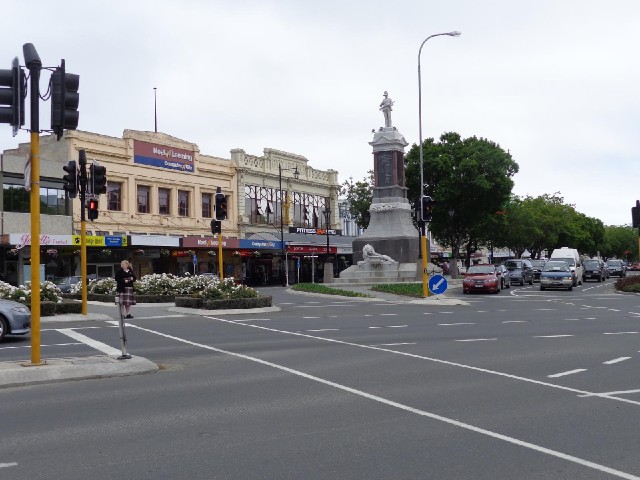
x: 520, y: 385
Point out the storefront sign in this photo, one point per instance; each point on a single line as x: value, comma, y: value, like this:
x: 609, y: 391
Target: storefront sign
x: 115, y: 241
x: 163, y: 157
x: 20, y: 239
x: 154, y: 241
x: 208, y: 242
x: 258, y: 244
x: 314, y: 231
x: 293, y: 249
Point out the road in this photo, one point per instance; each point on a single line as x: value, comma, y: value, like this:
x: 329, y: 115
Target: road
x: 520, y: 385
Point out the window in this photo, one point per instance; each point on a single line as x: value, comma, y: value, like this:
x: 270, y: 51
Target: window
x: 143, y: 199
x: 183, y: 203
x: 15, y: 198
x: 206, y: 205
x: 114, y: 196
x: 262, y: 204
x: 164, y: 201
x: 52, y: 201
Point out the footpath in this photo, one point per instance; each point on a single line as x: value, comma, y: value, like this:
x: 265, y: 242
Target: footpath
x: 22, y: 373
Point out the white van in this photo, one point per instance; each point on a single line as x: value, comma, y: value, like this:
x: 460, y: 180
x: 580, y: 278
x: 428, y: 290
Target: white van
x: 572, y: 257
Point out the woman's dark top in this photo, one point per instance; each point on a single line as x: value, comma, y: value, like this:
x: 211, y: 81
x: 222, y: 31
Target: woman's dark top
x: 121, y: 275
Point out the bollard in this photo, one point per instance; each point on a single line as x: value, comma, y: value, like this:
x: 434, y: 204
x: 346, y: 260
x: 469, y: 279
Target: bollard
x: 123, y: 336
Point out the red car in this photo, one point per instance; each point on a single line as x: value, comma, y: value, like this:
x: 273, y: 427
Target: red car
x: 481, y: 278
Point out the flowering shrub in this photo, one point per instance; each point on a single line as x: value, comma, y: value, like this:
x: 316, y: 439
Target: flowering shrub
x: 103, y: 285
x: 226, y: 288
x: 49, y: 292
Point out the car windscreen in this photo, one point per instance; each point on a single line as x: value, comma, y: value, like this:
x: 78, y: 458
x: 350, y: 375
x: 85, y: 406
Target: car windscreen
x: 538, y: 263
x: 513, y: 265
x: 476, y: 269
x: 614, y: 263
x: 556, y: 267
x: 592, y: 263
x: 570, y: 261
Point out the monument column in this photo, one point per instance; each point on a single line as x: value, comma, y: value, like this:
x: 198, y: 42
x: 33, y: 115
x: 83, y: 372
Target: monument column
x: 391, y: 231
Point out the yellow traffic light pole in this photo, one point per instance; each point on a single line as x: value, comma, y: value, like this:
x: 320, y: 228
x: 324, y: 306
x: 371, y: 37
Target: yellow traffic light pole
x: 32, y: 60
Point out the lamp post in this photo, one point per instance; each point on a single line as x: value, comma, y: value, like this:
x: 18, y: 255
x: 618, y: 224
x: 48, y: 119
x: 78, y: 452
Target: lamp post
x: 296, y: 175
x: 423, y: 239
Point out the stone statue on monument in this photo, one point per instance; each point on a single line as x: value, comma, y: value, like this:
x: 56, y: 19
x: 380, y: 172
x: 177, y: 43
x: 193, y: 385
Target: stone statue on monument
x: 385, y: 106
x: 371, y: 256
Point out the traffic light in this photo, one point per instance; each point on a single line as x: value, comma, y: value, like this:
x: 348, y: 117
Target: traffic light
x: 92, y: 209
x: 12, y: 93
x: 216, y: 226
x: 98, y: 179
x: 64, y: 100
x: 71, y: 179
x: 427, y: 208
x: 635, y: 215
x: 221, y: 206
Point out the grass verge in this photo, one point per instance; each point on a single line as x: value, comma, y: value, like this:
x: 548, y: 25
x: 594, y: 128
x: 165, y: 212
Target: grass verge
x: 406, y: 289
x: 318, y: 288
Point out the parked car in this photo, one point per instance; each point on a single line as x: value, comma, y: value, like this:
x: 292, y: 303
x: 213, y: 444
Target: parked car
x: 595, y: 268
x: 481, y: 278
x: 520, y: 271
x: 616, y: 268
x: 556, y: 274
x: 503, y: 274
x: 633, y: 267
x: 65, y: 283
x: 538, y: 265
x: 15, y: 318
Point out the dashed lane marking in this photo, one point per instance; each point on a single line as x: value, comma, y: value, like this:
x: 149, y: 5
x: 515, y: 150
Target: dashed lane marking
x: 569, y: 372
x: 459, y: 323
x: 7, y: 465
x: 323, y: 330
x: 393, y: 344
x: 476, y: 340
x: 515, y: 321
x: 618, y: 333
x: 615, y: 360
x: 551, y: 336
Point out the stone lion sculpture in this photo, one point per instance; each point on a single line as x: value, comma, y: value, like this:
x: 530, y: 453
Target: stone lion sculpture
x: 371, y: 256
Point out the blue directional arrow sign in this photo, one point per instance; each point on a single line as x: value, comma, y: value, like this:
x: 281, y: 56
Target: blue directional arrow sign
x: 438, y: 284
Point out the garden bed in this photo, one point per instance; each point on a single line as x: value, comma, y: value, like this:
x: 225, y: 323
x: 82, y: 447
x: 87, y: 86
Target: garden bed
x: 224, y: 304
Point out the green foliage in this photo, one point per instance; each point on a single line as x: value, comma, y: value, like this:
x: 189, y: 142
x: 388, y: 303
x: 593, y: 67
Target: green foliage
x: 470, y: 177
x: 618, y: 241
x: 405, y: 289
x: 49, y: 292
x: 319, y: 288
x: 359, y: 196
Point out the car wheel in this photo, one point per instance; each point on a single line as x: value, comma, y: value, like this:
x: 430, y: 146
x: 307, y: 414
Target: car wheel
x: 541, y: 288
x: 600, y: 279
x: 570, y: 288
x: 4, y: 328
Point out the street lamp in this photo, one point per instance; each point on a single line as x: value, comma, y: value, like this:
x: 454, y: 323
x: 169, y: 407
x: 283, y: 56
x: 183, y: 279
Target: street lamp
x: 327, y: 213
x: 296, y: 175
x: 423, y: 240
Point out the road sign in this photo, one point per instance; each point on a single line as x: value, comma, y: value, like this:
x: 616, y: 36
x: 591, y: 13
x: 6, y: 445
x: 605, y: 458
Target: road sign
x: 195, y: 259
x: 438, y: 284
x: 298, y: 263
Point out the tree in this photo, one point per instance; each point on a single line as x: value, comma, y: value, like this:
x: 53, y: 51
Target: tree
x: 359, y: 196
x: 618, y: 240
x: 470, y: 179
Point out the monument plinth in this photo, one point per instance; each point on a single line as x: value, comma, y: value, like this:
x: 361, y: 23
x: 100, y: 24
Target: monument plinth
x: 391, y: 232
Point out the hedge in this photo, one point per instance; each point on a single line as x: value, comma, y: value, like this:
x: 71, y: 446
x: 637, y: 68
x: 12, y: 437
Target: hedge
x: 48, y: 309
x: 237, y: 303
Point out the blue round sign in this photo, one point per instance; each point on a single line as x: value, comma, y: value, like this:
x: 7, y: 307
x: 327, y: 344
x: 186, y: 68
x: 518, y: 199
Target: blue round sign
x: 438, y: 284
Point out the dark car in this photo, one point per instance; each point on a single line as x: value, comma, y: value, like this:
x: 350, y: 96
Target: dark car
x: 481, y: 278
x: 15, y: 318
x: 538, y: 265
x: 65, y: 284
x: 556, y: 274
x: 616, y: 268
x: 520, y: 271
x: 503, y: 274
x: 595, y: 268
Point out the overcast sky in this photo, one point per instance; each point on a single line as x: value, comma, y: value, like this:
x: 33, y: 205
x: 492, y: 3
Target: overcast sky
x: 555, y: 82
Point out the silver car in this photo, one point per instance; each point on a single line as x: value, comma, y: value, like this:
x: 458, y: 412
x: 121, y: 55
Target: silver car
x: 15, y: 318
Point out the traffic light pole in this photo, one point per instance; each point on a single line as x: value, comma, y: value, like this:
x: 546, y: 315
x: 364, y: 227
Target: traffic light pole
x: 423, y: 250
x: 220, y: 262
x: 82, y: 186
x: 34, y: 65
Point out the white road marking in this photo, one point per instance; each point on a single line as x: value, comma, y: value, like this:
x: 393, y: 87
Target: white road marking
x: 617, y: 333
x: 572, y: 319
x: 515, y: 321
x: 546, y: 309
x: 397, y: 326
x: 427, y: 313
x: 6, y: 465
x: 616, y: 360
x: 101, y: 347
x: 388, y: 314
x: 255, y: 319
x: 393, y: 344
x: 160, y: 316
x: 551, y: 336
x: 323, y: 330
x: 460, y: 323
x: 400, y: 406
x: 589, y: 318
x: 445, y: 312
x: 613, y: 310
x: 368, y: 315
x: 308, y: 318
x: 476, y: 340
x: 608, y: 394
x: 375, y: 327
x: 569, y: 372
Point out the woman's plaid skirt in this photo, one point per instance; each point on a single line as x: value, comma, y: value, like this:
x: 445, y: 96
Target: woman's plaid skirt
x: 127, y: 298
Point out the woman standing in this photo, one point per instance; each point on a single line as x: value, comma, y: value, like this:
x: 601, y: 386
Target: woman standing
x: 124, y: 288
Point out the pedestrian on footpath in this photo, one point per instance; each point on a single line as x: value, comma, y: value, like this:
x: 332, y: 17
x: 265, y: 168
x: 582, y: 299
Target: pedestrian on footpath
x: 124, y: 287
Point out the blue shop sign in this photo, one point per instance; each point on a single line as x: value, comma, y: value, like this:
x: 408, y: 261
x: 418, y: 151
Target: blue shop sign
x: 258, y: 244
x: 113, y: 241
